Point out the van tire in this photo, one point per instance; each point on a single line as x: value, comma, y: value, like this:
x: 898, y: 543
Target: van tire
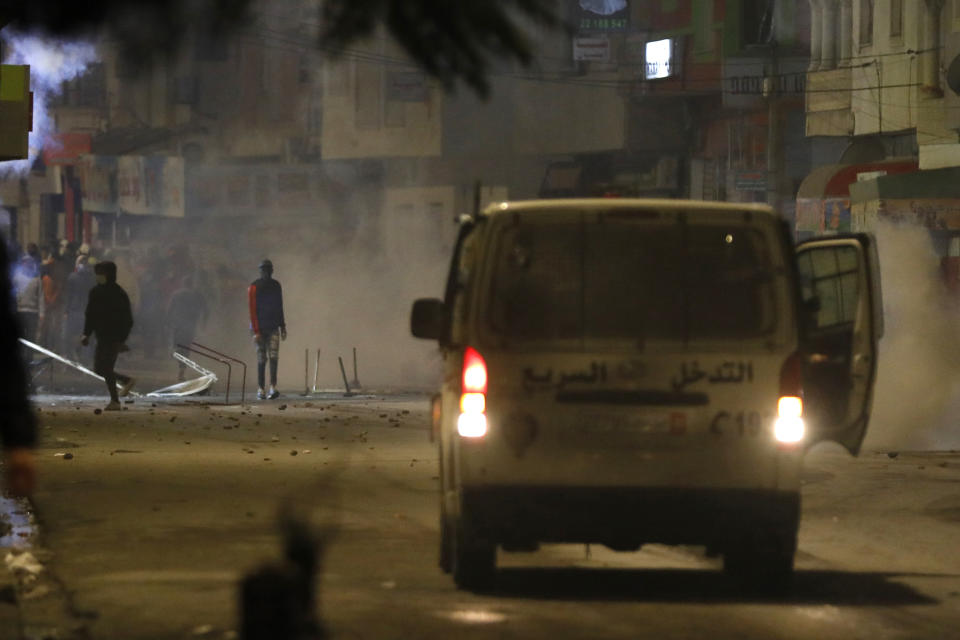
x: 473, y: 561
x: 446, y: 529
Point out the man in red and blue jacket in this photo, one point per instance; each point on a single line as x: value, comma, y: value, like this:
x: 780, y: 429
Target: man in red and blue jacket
x: 267, y: 324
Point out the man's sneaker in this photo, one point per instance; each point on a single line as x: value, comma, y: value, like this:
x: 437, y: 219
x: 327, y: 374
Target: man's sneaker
x: 274, y: 394
x: 126, y: 386
x: 113, y: 406
x: 261, y: 395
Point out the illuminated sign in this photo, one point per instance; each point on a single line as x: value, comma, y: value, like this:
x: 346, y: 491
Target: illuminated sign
x: 658, y: 59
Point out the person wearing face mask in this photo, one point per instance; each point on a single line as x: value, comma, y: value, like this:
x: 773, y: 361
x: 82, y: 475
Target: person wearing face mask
x: 108, y: 316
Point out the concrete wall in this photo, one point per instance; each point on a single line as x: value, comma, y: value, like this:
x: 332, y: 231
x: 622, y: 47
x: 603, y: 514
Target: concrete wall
x: 360, y: 121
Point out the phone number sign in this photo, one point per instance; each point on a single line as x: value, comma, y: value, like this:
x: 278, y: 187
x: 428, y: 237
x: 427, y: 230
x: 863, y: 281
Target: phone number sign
x: 601, y: 15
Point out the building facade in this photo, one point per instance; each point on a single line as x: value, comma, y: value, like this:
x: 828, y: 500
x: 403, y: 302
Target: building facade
x: 882, y: 114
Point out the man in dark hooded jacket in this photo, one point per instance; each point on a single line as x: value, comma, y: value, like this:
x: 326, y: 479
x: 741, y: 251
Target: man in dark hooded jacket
x: 108, y: 315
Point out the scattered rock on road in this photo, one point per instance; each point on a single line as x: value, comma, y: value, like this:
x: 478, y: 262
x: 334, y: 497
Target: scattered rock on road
x: 892, y: 454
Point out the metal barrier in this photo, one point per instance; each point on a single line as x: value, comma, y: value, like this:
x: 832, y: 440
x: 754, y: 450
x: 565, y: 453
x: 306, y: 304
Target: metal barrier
x: 243, y: 383
x: 223, y: 359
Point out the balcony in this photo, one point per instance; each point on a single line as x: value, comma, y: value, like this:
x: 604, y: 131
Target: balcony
x: 828, y: 103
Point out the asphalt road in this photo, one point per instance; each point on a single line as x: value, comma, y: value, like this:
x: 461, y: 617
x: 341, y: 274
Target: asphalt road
x: 146, y: 531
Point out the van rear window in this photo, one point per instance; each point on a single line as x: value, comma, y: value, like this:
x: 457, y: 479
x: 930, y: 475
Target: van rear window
x: 598, y: 276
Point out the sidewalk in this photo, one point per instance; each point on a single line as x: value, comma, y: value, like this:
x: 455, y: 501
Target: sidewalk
x: 33, y: 603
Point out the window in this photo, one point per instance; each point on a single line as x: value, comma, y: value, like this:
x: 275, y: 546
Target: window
x: 632, y: 279
x: 338, y: 76
x: 367, y: 91
x: 896, y: 18
x: 757, y: 22
x: 395, y: 114
x: 86, y: 90
x: 831, y: 276
x: 866, y: 22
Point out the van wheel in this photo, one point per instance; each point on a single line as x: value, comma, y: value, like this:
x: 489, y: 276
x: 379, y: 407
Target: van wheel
x: 474, y: 561
x: 446, y: 530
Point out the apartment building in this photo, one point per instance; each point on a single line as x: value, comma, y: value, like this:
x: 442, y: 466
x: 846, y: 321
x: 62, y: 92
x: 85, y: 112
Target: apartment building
x: 883, y: 118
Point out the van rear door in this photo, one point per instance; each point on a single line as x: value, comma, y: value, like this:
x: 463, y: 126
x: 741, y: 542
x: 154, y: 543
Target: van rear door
x: 840, y: 290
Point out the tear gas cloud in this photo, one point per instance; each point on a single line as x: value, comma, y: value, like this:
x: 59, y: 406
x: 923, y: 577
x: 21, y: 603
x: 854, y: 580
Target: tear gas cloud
x: 341, y: 291
x: 52, y: 62
x: 917, y: 394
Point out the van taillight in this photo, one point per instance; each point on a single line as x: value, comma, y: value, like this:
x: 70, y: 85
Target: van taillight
x: 472, y: 422
x: 789, y: 427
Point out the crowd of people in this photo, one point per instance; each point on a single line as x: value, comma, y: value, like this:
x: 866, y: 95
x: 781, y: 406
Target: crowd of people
x: 57, y: 289
x: 51, y: 285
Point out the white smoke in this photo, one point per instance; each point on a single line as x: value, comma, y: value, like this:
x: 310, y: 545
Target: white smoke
x: 917, y: 395
x: 52, y: 62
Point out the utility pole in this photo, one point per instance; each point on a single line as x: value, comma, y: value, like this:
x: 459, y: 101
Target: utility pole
x: 771, y: 90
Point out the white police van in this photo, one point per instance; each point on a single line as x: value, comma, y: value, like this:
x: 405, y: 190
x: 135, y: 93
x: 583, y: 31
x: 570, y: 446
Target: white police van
x: 625, y: 372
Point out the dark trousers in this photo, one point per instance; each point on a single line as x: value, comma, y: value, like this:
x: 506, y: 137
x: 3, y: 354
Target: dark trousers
x: 104, y: 360
x: 28, y: 324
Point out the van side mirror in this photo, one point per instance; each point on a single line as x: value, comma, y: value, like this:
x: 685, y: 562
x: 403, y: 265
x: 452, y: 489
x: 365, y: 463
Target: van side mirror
x: 426, y: 318
x: 812, y: 305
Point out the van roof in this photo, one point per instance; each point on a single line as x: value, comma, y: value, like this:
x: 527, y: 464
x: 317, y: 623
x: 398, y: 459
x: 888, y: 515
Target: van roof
x: 623, y: 203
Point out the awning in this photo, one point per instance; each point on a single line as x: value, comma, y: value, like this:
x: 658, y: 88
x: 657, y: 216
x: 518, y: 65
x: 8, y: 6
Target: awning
x: 834, y: 180
x: 928, y: 198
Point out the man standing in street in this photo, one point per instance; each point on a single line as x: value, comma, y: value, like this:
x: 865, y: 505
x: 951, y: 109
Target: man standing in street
x: 108, y: 315
x: 265, y: 297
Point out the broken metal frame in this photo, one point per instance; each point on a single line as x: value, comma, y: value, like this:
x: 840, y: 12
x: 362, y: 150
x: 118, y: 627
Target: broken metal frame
x: 70, y: 363
x: 346, y: 384
x: 356, y: 381
x: 193, y: 365
x: 185, y: 388
x: 243, y: 382
x: 226, y: 399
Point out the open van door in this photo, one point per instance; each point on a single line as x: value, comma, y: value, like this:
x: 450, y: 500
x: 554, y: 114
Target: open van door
x: 843, y: 313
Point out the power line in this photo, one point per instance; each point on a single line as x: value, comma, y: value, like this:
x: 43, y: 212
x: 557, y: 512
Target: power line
x: 615, y: 83
x: 799, y: 58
